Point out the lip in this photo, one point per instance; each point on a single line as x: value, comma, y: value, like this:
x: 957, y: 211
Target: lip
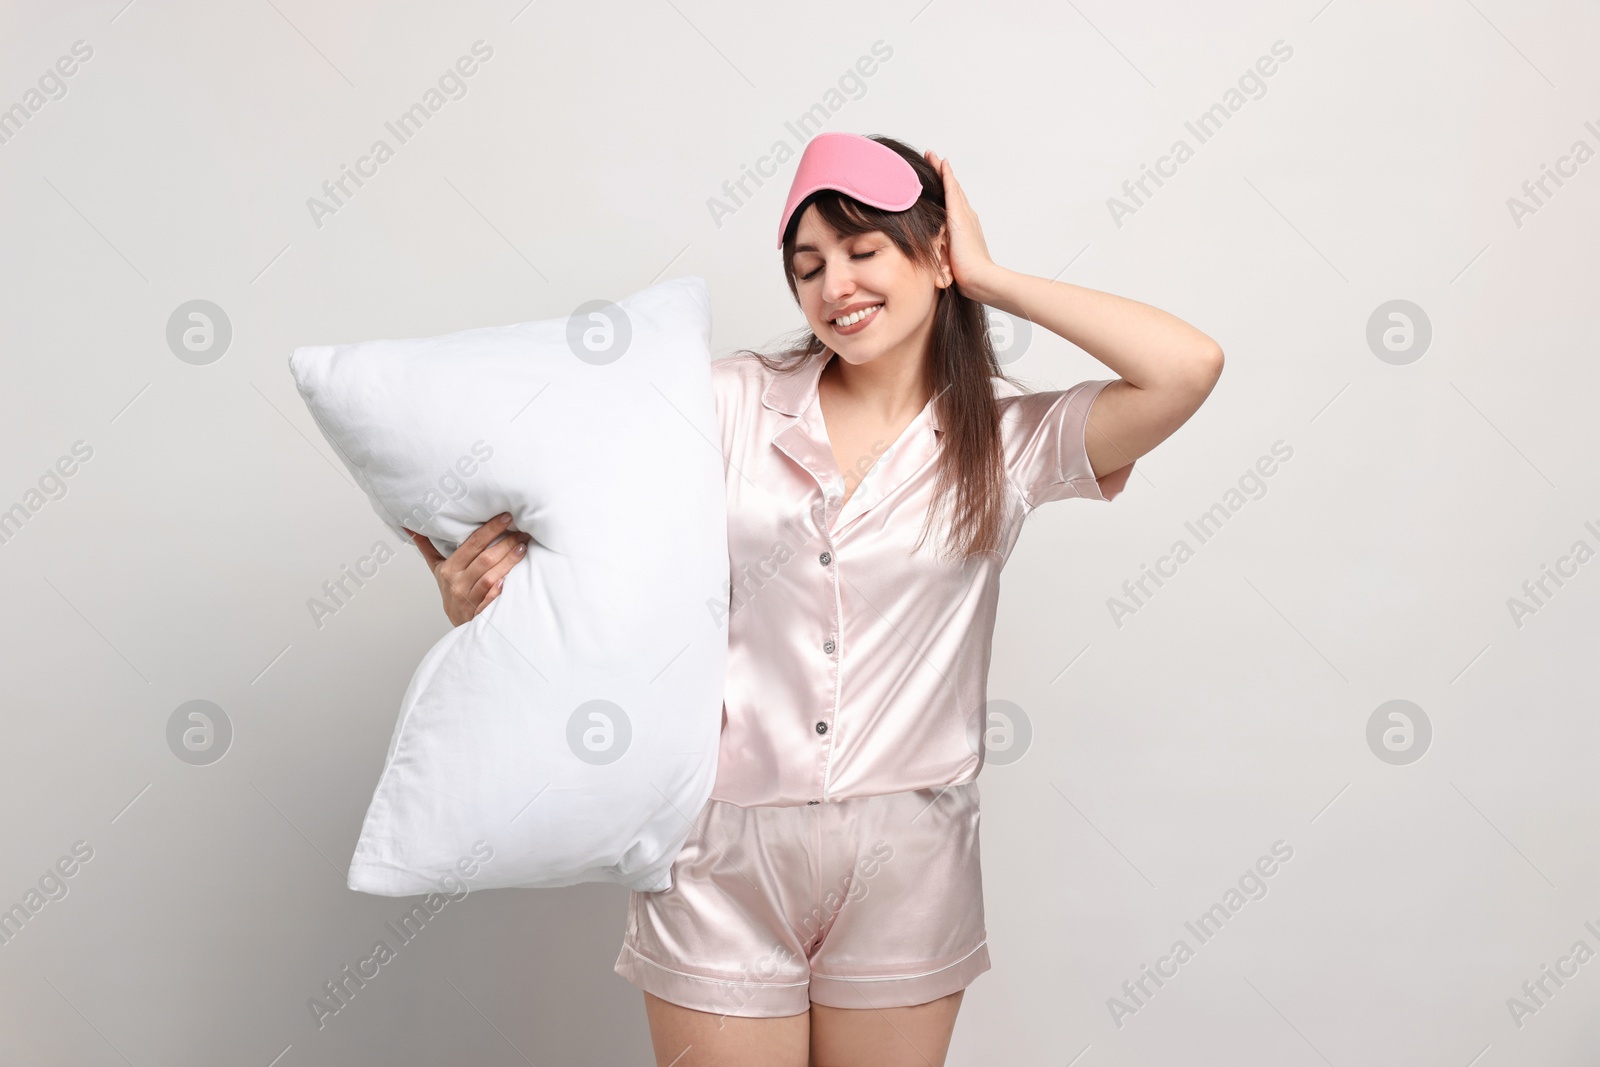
x: 848, y: 308
x: 846, y: 331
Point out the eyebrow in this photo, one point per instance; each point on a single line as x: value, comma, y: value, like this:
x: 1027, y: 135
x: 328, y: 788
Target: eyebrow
x: 813, y: 248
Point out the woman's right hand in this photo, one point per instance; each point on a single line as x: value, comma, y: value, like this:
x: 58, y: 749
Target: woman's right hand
x: 471, y: 576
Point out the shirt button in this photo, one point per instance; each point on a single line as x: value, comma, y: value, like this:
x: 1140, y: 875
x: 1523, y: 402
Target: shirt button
x: 826, y: 558
x: 822, y: 727
x: 827, y: 646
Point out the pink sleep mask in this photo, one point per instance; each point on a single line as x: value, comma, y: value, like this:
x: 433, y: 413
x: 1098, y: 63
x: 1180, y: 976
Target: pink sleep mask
x: 871, y: 172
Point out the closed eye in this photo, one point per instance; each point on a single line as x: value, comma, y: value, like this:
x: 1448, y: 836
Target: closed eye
x: 858, y: 255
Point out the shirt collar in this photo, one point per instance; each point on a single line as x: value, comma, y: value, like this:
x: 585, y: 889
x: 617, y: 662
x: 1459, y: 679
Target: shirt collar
x: 792, y: 392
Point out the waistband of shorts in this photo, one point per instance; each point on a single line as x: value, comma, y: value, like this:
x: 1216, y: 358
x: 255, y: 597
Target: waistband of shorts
x: 962, y: 790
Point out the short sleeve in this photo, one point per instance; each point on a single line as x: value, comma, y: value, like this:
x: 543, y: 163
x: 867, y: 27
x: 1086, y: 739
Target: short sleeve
x: 1046, y: 457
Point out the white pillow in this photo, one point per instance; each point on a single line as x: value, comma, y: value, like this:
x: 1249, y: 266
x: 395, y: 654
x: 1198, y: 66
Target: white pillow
x: 572, y: 726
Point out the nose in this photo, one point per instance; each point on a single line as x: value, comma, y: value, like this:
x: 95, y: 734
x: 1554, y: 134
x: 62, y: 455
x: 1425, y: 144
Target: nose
x: 838, y: 281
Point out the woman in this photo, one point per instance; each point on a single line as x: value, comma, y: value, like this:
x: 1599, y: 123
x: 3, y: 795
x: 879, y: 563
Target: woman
x: 827, y: 906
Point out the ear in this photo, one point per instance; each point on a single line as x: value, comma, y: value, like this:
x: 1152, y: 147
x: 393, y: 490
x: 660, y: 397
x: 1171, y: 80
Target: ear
x: 941, y: 243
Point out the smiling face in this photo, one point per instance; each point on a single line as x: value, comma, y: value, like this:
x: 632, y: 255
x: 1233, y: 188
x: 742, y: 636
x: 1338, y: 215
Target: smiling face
x: 837, y: 277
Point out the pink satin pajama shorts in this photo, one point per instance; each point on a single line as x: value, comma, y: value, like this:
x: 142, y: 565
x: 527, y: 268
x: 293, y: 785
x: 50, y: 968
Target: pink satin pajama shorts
x: 870, y: 902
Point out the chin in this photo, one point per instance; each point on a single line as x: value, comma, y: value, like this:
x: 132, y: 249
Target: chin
x: 854, y: 356
x: 851, y: 349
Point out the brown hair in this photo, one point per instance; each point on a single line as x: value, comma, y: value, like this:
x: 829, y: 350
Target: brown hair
x: 960, y: 362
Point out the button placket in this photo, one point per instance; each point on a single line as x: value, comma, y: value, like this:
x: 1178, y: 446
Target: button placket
x: 829, y: 559
x: 805, y: 442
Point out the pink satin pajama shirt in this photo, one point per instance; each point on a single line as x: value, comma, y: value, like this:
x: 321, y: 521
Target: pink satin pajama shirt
x: 837, y: 859
x: 855, y: 668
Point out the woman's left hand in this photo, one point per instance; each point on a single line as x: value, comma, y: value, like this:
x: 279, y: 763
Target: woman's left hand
x: 967, y: 253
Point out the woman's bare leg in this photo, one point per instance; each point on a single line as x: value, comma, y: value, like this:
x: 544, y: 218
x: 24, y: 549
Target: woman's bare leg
x: 684, y: 1037
x: 918, y: 1036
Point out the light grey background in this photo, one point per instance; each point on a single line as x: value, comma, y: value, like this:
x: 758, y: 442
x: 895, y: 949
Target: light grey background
x: 1168, y: 753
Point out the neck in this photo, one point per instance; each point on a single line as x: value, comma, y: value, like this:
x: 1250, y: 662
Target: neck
x: 891, y: 385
